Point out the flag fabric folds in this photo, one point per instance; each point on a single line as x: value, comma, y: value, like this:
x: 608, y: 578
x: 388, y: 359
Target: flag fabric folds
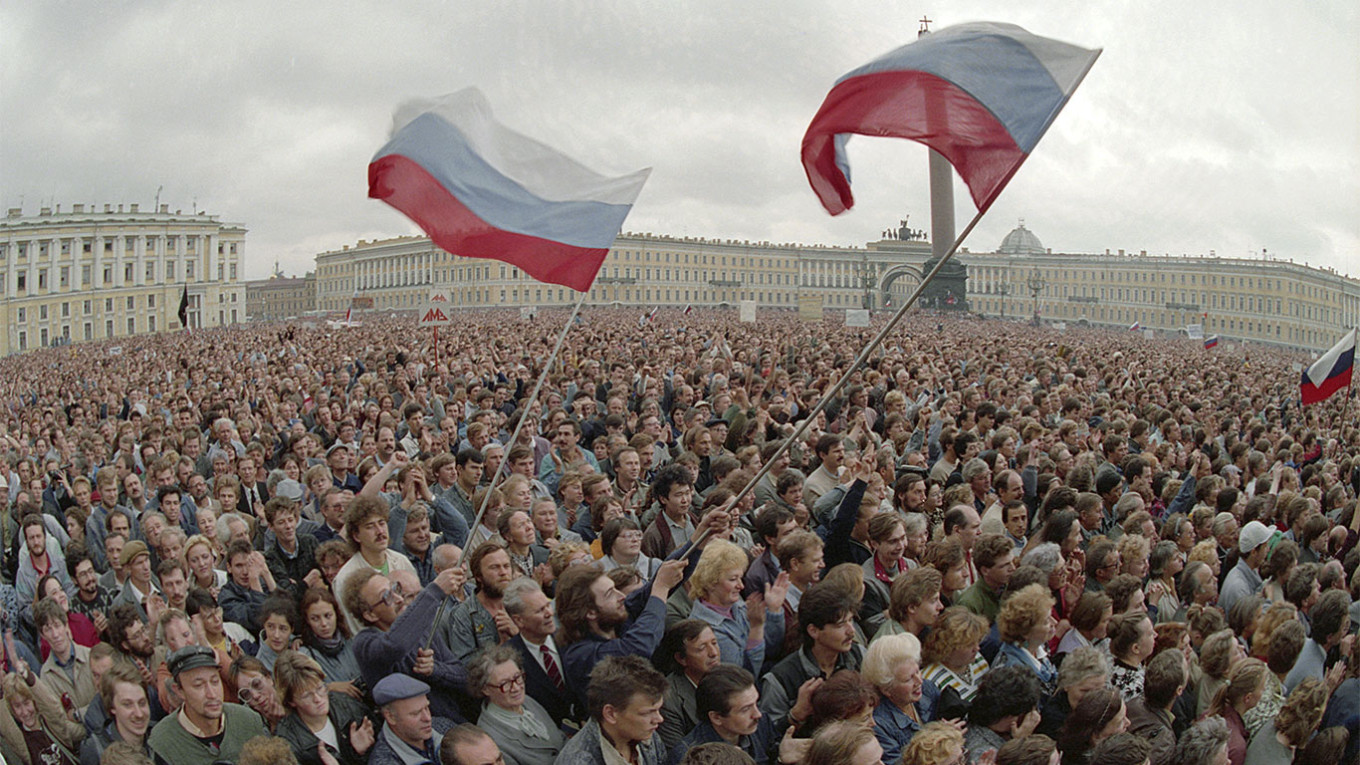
x: 481, y: 190
x: 981, y: 94
x: 1331, y: 372
x: 184, y: 308
x: 1211, y: 341
x: 1134, y: 327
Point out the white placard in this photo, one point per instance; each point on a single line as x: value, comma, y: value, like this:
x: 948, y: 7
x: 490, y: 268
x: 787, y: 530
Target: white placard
x: 436, y: 312
x: 1148, y: 334
x: 748, y: 311
x: 528, y: 311
x: 1195, y: 331
x: 856, y: 317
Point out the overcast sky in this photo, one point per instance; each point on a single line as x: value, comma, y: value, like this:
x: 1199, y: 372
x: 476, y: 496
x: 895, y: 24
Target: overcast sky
x: 1220, y: 125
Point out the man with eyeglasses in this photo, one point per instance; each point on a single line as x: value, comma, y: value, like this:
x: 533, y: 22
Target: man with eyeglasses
x: 206, y: 729
x: 411, y: 732
x: 397, y: 631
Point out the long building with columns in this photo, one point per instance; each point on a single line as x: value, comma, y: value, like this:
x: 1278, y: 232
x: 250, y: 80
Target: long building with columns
x: 1268, y: 301
x: 89, y: 274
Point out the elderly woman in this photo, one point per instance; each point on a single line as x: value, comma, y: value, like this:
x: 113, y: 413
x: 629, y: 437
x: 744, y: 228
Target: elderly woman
x: 520, y: 726
x: 746, y: 630
x: 621, y: 543
x: 950, y: 653
x: 844, y: 743
x: 1083, y: 671
x: 938, y: 743
x: 888, y: 539
x: 33, y: 725
x: 906, y: 699
x: 1099, y: 715
x: 913, y: 603
x: 315, y: 718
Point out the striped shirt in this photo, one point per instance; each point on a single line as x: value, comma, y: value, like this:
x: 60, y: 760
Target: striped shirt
x: 966, y: 685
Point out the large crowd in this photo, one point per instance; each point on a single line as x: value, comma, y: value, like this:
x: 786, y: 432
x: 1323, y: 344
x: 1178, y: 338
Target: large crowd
x: 998, y: 543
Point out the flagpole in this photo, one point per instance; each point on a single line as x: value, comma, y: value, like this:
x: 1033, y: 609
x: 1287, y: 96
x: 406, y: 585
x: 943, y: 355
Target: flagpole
x: 859, y: 361
x: 514, y: 437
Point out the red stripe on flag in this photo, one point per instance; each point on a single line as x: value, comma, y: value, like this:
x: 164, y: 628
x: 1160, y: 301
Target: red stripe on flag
x: 1313, y: 394
x: 407, y: 186
x: 918, y: 106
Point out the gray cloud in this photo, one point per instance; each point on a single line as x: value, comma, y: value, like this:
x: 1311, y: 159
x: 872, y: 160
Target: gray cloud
x: 1229, y: 127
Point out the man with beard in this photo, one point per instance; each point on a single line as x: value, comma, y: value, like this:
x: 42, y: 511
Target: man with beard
x: 205, y: 730
x: 92, y: 599
x: 134, y: 641
x: 397, y: 629
x: 481, y: 620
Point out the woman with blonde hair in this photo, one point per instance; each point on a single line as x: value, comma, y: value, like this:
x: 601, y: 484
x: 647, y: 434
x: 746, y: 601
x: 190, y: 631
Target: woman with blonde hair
x: 1218, y: 656
x: 950, y: 653
x: 938, y: 743
x: 33, y: 725
x: 200, y: 562
x: 1242, y: 691
x: 315, y: 717
x: 746, y: 630
x: 1026, y: 625
x: 906, y: 700
x: 844, y: 743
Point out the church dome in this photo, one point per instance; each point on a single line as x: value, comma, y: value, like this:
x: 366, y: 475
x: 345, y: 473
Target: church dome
x: 1021, y: 241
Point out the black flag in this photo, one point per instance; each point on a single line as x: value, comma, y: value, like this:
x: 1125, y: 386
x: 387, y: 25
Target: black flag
x: 184, y: 308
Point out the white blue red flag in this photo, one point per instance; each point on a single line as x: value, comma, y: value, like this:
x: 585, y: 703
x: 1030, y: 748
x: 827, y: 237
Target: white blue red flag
x: 1211, y: 341
x: 1330, y: 373
x: 980, y: 94
x: 481, y: 190
x: 1134, y: 327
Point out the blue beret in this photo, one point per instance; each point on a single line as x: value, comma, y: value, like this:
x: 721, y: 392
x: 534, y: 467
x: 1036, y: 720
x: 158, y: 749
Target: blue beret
x: 397, y: 687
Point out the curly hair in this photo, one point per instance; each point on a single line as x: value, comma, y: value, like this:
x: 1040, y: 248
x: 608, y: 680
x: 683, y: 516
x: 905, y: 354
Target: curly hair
x: 718, y: 558
x: 935, y: 744
x: 957, y: 627
x: 1302, y: 711
x: 482, y: 664
x: 560, y: 557
x: 266, y: 750
x: 1273, y: 617
x: 1023, y: 611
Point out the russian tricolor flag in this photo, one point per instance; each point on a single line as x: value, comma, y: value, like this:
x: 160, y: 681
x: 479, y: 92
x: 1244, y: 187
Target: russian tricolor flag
x: 1330, y: 373
x: 980, y: 94
x: 481, y: 190
x: 1134, y: 327
x: 1211, y: 341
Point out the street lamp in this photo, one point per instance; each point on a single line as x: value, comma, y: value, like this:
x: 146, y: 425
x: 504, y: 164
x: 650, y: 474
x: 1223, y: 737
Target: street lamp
x: 1003, y: 290
x: 1036, y: 284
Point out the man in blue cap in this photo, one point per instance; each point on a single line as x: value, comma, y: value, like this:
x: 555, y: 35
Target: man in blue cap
x: 411, y: 734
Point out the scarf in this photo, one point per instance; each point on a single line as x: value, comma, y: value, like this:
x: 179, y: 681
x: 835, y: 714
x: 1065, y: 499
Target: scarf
x: 330, y: 648
x: 524, y: 722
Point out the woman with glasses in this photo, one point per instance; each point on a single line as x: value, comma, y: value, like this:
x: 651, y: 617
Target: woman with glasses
x: 621, y: 543
x: 318, y: 718
x: 520, y: 726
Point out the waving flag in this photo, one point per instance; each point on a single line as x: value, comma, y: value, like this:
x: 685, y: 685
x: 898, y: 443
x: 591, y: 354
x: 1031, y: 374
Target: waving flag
x: 1211, y: 341
x: 1330, y: 373
x: 1134, y: 327
x: 981, y: 94
x: 481, y: 190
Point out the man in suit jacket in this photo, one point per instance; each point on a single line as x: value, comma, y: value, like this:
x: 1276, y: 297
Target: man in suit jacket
x: 532, y: 612
x: 691, y: 648
x: 253, y: 493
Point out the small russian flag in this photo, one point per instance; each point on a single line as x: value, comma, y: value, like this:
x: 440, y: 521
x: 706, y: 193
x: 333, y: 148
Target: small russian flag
x: 1134, y: 327
x: 689, y: 309
x: 1211, y: 341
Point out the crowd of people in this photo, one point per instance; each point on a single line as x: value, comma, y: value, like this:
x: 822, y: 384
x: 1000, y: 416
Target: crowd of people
x: 998, y: 543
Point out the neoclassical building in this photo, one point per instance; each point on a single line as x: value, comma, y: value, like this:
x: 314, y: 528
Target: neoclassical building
x: 89, y: 274
x: 1269, y: 301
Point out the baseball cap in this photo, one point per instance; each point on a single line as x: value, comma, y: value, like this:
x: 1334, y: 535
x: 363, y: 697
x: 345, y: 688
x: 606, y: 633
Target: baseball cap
x: 1253, y: 535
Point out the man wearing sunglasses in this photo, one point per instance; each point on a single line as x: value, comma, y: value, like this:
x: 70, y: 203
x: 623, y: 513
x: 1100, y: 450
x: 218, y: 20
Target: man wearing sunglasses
x: 398, y: 624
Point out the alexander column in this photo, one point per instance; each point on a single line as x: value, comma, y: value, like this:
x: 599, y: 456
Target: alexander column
x: 941, y: 189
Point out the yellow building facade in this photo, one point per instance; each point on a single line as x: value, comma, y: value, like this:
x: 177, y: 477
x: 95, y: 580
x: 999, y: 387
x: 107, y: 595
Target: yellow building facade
x: 89, y: 274
x: 1269, y: 301
x: 280, y: 297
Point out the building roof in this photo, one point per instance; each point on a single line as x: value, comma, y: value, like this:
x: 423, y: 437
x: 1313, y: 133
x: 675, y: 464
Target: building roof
x: 1021, y: 241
